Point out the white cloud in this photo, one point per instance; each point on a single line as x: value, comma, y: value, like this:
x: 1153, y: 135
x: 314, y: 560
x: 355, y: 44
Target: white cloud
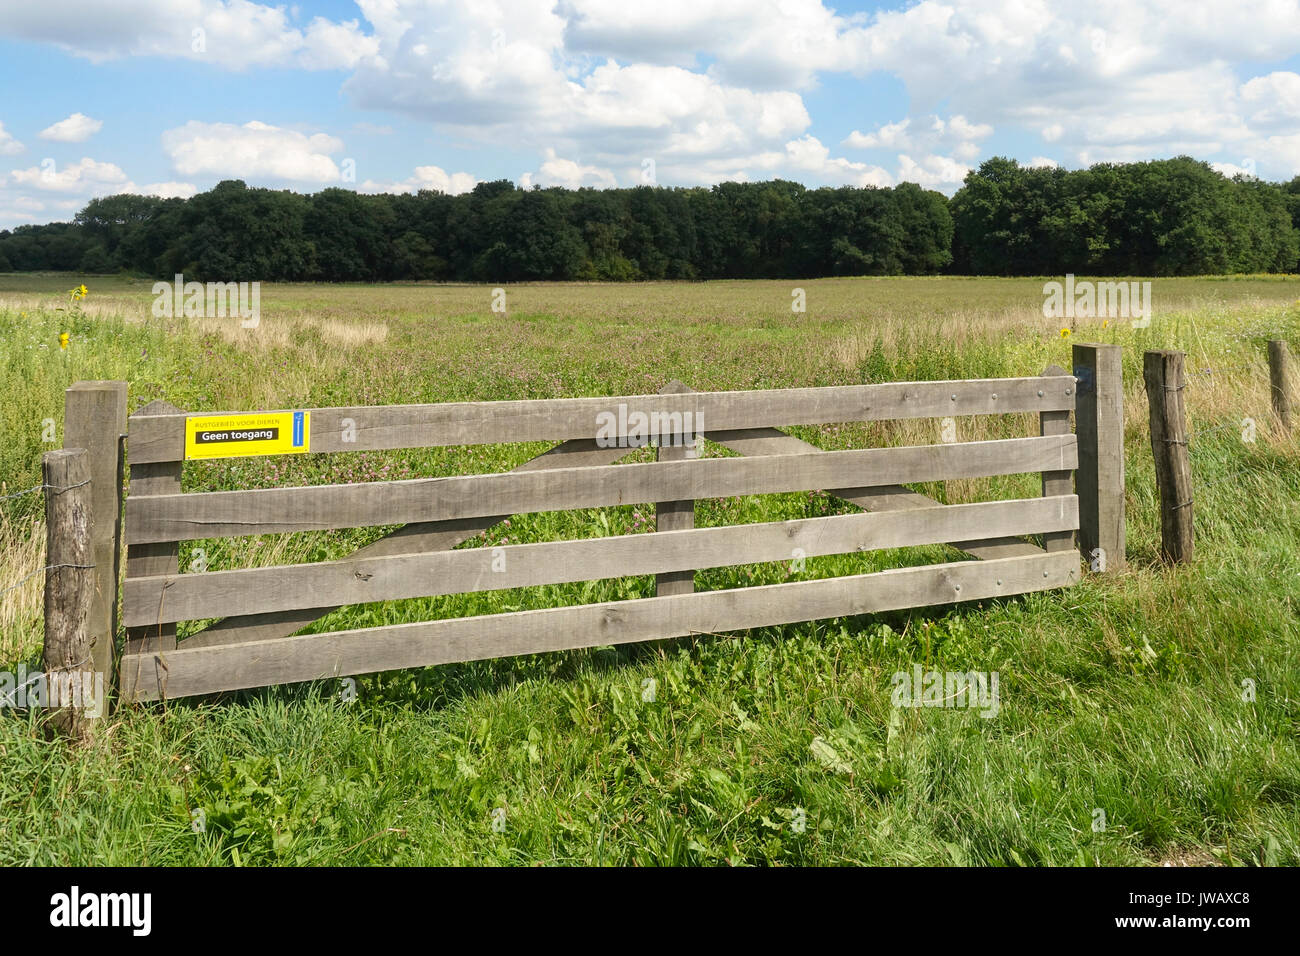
x: 945, y: 147
x: 169, y: 190
x: 251, y: 151
x: 1279, y: 153
x: 330, y: 46
x: 1273, y: 99
x: 556, y: 171
x: 1043, y: 162
x: 502, y: 74
x: 231, y: 34
x: 932, y: 171
x: 805, y: 159
x: 889, y: 136
x: 1113, y: 80
x: 1232, y: 169
x: 86, y: 177
x: 807, y: 154
x: 77, y: 128
x: 8, y: 145
x: 759, y: 44
x: 425, y: 177
x: 711, y: 89
x: 956, y: 135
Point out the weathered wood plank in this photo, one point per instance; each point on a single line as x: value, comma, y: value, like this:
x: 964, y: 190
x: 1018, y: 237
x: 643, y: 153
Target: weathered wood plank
x: 771, y: 441
x: 94, y: 418
x: 156, y: 557
x: 208, y: 670
x: 410, y: 539
x: 1099, y: 425
x: 161, y: 437
x: 762, y: 441
x: 1057, y: 483
x: 360, y: 580
x: 675, y: 515
x: 272, y: 510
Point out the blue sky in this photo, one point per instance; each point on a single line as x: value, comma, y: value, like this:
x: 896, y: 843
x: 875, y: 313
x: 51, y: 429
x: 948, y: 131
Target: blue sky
x: 171, y: 96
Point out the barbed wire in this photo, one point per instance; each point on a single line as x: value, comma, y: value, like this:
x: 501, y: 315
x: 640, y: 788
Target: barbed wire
x: 48, y: 567
x: 39, y: 676
x: 1211, y: 372
x: 58, y: 490
x: 9, y: 701
x: 1201, y: 430
x: 55, y: 488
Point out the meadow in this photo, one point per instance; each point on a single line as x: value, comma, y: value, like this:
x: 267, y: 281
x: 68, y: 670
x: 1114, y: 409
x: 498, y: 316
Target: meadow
x: 1163, y: 702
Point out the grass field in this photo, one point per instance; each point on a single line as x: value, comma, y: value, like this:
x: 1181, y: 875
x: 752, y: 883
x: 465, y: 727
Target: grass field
x: 1122, y: 695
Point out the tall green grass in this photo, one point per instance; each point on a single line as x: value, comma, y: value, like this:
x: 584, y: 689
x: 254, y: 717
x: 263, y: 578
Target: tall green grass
x: 1123, y: 696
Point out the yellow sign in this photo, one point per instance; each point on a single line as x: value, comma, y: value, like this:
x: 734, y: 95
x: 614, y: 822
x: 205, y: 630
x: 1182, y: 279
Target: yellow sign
x: 239, y: 436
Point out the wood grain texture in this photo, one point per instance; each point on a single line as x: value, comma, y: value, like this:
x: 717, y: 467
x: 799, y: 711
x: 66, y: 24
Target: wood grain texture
x: 1057, y: 483
x: 156, y: 557
x: 360, y: 580
x: 1099, y: 479
x: 409, y: 539
x: 675, y: 515
x: 161, y: 437
x: 1165, y: 382
x: 73, y: 622
x: 771, y: 441
x: 272, y: 510
x: 94, y: 418
x: 206, y: 670
x: 1279, y: 382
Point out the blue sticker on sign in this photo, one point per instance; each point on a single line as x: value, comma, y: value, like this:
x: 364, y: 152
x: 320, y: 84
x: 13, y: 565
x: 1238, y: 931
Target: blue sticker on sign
x: 299, y: 429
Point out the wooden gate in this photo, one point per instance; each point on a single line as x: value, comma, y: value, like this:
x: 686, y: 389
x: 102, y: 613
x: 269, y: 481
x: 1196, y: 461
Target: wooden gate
x: 260, y: 609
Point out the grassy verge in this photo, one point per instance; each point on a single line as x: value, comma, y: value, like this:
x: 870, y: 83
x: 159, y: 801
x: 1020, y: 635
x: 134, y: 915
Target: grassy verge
x: 778, y: 746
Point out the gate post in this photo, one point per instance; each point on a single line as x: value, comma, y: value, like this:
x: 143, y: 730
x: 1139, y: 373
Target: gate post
x: 72, y: 626
x: 1162, y: 371
x: 1279, y: 382
x: 94, y: 418
x: 1099, y: 425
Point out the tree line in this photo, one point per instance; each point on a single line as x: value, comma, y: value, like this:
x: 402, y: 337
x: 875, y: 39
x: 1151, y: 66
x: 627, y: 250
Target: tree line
x: 1166, y: 217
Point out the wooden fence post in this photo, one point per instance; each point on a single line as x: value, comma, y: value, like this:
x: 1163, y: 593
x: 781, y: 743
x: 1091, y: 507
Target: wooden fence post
x: 1099, y: 425
x: 674, y: 515
x: 1163, y: 373
x: 1279, y: 380
x: 154, y: 478
x: 94, y: 418
x: 72, y: 628
x: 1056, y: 482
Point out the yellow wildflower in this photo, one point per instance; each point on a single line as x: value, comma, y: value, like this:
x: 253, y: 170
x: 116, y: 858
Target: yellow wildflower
x: 1065, y: 333
x: 63, y: 341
